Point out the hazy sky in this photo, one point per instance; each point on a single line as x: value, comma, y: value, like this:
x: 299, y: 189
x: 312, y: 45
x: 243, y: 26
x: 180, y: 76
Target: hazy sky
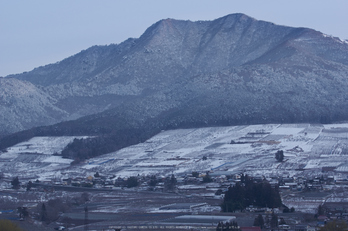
x: 38, y: 32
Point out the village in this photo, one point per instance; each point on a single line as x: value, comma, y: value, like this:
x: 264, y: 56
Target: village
x: 323, y: 198
x: 178, y: 179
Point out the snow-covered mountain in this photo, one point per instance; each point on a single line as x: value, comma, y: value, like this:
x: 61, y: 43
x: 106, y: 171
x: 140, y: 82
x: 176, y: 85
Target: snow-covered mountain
x: 232, y: 70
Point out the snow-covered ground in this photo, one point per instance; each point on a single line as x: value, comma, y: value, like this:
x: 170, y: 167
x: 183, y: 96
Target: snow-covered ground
x: 34, y: 159
x: 306, y: 147
x: 43, y: 145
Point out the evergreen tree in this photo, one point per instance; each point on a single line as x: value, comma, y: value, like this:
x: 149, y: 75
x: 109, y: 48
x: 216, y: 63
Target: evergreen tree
x: 219, y: 226
x: 153, y: 181
x: 29, y: 185
x: 274, y: 220
x: 240, y: 196
x: 234, y: 199
x: 195, y: 174
x: 15, y: 183
x: 279, y: 155
x: 43, y: 213
x: 170, y: 183
x: 23, y: 212
x: 242, y: 178
x: 132, y: 182
x: 320, y: 210
x: 259, y: 221
x: 207, y: 178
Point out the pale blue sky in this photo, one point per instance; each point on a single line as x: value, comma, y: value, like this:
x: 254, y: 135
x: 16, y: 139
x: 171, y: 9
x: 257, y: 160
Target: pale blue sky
x: 38, y: 32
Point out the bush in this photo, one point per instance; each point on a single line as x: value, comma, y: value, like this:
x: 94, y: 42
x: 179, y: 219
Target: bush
x: 207, y: 178
x: 195, y: 174
x: 132, y: 182
x: 335, y: 226
x: 153, y: 181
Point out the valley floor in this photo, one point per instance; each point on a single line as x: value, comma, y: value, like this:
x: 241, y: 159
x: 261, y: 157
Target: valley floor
x: 314, y: 172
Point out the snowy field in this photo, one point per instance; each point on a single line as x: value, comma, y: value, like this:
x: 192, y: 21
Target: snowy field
x: 249, y: 149
x: 42, y: 145
x: 37, y: 158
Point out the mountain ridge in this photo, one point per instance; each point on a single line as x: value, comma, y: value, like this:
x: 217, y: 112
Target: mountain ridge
x: 229, y: 71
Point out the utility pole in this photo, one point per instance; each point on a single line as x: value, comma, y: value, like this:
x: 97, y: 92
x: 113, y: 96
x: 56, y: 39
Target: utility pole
x: 86, y: 218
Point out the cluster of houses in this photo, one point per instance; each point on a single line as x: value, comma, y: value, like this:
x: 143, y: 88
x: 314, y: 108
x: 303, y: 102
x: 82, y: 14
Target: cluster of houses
x: 217, y: 183
x: 197, y: 181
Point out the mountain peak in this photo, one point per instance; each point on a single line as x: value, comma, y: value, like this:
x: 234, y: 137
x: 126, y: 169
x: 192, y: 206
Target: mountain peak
x: 234, y: 69
x: 165, y: 25
x: 232, y: 19
x: 236, y: 16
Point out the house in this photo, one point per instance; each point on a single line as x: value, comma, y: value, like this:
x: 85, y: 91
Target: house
x: 284, y: 227
x: 292, y: 185
x: 76, y: 183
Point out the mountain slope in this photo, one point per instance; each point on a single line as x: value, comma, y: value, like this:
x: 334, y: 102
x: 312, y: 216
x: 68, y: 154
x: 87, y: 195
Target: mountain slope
x: 233, y: 70
x: 24, y: 105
